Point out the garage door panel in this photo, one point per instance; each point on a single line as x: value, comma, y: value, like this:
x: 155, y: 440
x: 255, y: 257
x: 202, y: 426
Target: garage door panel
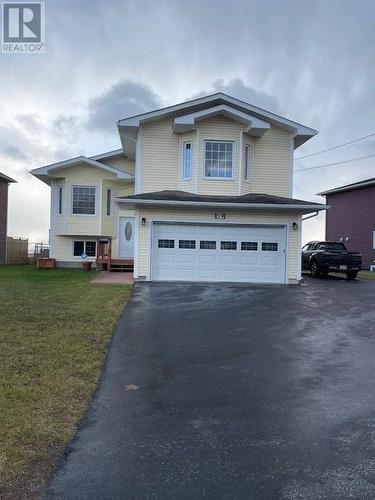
x: 251, y: 262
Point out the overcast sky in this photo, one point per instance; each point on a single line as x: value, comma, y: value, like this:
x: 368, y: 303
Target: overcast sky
x: 310, y: 61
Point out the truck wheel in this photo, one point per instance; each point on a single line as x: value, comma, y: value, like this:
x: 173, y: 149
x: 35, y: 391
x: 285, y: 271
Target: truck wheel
x: 351, y: 275
x: 314, y: 269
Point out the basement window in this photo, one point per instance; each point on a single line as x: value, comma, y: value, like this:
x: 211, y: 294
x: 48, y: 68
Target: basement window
x: 84, y: 247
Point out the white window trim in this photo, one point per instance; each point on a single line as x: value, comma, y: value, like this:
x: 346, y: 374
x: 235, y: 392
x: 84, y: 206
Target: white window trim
x: 248, y: 158
x: 191, y: 161
x: 71, y: 200
x: 84, y: 248
x: 234, y: 157
x: 106, y: 203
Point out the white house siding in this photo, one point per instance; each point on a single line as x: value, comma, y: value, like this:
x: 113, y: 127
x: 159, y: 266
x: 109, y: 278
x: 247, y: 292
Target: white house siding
x: 208, y: 215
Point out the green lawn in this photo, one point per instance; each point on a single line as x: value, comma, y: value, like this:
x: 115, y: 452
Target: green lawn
x: 54, y: 330
x: 366, y: 275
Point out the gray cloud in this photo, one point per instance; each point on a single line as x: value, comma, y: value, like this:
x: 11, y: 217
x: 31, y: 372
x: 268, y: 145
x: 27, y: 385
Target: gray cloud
x: 122, y: 99
x: 237, y: 88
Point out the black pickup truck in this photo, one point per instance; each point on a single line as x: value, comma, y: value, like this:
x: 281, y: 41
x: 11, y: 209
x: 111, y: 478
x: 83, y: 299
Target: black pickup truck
x: 323, y: 257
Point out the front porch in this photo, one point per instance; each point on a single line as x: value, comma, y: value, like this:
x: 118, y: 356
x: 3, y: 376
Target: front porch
x: 105, y: 261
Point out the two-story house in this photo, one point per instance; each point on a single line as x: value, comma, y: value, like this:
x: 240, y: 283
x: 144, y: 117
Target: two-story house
x: 200, y: 191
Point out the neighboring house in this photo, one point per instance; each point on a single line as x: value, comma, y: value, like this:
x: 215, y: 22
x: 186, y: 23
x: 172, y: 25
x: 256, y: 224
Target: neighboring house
x: 200, y: 191
x: 4, y: 184
x: 351, y: 218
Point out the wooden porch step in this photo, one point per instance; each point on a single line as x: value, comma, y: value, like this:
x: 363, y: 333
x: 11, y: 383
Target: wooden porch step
x: 121, y: 265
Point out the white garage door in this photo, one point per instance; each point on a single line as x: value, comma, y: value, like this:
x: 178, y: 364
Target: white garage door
x: 188, y: 252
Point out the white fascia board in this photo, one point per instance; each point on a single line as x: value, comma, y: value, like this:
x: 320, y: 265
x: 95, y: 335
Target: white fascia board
x: 110, y: 154
x: 54, y: 167
x: 255, y: 126
x: 300, y: 130
x: 254, y: 206
x: 352, y: 187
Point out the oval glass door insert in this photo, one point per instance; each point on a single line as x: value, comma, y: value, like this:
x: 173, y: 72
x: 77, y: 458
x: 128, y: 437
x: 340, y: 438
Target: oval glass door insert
x: 128, y: 231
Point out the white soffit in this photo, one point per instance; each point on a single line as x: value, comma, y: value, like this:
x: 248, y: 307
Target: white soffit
x: 255, y: 126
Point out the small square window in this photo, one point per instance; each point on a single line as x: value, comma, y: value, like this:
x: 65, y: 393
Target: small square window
x: 186, y: 244
x: 228, y: 245
x: 269, y: 247
x: 207, y: 245
x: 166, y: 243
x: 249, y: 245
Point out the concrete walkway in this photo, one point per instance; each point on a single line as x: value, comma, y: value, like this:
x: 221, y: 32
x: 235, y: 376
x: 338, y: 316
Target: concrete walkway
x: 114, y: 278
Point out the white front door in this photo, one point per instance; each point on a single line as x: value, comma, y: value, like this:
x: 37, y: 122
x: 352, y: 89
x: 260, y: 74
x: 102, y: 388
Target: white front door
x: 193, y: 252
x: 126, y: 237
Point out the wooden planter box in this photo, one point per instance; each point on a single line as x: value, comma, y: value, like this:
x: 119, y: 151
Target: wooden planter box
x: 45, y: 263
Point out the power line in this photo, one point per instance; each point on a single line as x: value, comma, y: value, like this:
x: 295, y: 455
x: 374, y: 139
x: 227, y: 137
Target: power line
x: 335, y: 147
x: 336, y: 163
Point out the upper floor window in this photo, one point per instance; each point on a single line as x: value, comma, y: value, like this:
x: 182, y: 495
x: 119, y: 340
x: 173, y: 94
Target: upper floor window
x: 109, y: 201
x: 219, y: 159
x: 59, y: 200
x: 83, y: 200
x: 186, y: 161
x: 247, y: 162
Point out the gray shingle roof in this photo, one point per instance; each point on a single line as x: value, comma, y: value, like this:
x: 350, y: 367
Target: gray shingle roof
x: 252, y: 198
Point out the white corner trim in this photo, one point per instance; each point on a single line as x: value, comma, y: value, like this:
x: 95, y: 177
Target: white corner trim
x: 137, y: 173
x: 240, y: 157
x: 299, y: 246
x: 291, y: 165
x: 198, y: 165
x: 136, y: 244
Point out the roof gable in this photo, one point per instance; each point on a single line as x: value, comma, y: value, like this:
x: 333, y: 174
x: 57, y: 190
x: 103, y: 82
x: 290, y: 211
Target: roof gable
x: 128, y: 127
x: 44, y: 173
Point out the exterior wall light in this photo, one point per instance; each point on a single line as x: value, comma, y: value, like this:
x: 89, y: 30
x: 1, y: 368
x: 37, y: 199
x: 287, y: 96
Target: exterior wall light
x: 295, y: 226
x: 143, y: 221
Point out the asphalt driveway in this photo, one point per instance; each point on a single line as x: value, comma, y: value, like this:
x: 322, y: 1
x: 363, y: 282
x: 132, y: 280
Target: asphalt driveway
x: 233, y: 392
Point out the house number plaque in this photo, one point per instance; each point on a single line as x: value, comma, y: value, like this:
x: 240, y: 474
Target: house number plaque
x: 219, y: 215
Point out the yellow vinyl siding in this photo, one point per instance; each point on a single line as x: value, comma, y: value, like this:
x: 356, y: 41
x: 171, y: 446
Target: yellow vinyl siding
x: 208, y: 215
x: 159, y: 157
x: 62, y: 248
x: 120, y: 163
x: 272, y: 163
